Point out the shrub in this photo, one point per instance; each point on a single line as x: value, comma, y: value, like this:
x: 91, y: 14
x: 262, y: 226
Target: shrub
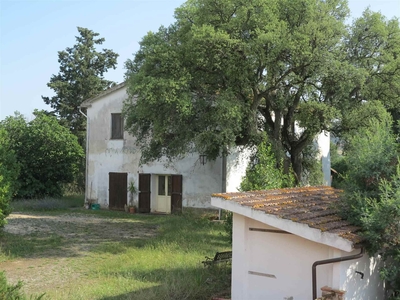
x: 312, y: 167
x: 370, y: 156
x: 228, y: 224
x: 9, y: 170
x: 48, y: 153
x: 13, y: 292
x: 380, y: 221
x: 372, y: 201
x: 264, y: 172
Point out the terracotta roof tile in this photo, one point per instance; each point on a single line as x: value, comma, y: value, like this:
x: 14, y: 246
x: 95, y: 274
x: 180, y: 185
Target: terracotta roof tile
x: 313, y: 206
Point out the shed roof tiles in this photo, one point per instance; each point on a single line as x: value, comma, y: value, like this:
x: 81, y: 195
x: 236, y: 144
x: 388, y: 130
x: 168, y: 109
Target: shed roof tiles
x: 313, y: 206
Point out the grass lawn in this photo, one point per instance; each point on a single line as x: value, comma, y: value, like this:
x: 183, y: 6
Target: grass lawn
x: 58, y: 248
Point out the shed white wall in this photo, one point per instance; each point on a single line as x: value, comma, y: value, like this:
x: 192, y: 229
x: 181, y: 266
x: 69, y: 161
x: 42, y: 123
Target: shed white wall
x: 287, y: 257
x: 371, y: 287
x: 107, y: 155
x: 283, y: 263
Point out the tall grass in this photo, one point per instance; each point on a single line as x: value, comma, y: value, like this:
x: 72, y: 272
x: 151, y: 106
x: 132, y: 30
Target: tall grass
x: 166, y: 265
x: 46, y: 204
x: 14, y: 291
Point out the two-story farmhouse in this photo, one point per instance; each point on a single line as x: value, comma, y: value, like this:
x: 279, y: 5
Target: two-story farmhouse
x: 113, y: 166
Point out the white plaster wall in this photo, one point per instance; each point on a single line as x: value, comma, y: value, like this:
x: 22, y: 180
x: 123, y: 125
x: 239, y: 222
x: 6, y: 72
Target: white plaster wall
x: 288, y: 257
x: 106, y: 155
x: 323, y: 142
x: 371, y: 287
x: 198, y: 181
x: 236, y: 164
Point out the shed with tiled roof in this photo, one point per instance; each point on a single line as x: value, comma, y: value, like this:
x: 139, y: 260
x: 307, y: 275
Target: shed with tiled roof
x: 279, y: 234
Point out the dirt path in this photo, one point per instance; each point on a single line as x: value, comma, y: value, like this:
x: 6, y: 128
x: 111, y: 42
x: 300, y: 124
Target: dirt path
x: 77, y: 233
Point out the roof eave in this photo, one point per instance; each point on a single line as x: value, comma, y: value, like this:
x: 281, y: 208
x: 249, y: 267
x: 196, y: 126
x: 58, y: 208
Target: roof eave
x: 88, y: 103
x: 299, y: 229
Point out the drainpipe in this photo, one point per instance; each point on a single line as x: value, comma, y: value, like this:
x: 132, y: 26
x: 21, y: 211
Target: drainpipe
x: 223, y: 187
x: 330, y: 261
x: 86, y: 154
x: 224, y: 171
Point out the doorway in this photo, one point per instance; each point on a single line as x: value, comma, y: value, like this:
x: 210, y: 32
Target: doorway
x: 117, y: 190
x: 163, y: 196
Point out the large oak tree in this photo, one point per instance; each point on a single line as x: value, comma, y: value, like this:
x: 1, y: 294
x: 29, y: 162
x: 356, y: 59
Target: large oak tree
x: 229, y: 70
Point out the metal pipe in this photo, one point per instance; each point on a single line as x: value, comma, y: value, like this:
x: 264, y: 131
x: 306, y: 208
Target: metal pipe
x: 80, y: 110
x: 86, y: 154
x: 223, y: 187
x: 330, y: 261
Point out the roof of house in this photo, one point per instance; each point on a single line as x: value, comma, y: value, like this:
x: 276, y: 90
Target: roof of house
x: 89, y: 102
x: 311, y: 207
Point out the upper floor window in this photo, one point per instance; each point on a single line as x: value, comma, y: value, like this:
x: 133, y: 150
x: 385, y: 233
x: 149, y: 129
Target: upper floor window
x: 117, y: 126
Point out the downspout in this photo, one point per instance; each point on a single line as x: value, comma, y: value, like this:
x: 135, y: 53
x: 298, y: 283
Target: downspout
x: 223, y: 187
x: 86, y: 154
x: 330, y: 261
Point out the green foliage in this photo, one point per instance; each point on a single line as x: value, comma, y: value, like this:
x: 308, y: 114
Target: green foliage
x: 264, y: 172
x: 374, y: 46
x: 225, y: 62
x: 354, y: 120
x: 9, y: 171
x: 228, y: 69
x: 9, y: 291
x: 49, y: 155
x: 372, y: 200
x: 47, y: 204
x: 369, y: 157
x: 13, y: 292
x: 382, y: 231
x: 358, y: 130
x: 312, y: 168
x: 228, y: 224
x: 81, y: 77
x: 379, y: 218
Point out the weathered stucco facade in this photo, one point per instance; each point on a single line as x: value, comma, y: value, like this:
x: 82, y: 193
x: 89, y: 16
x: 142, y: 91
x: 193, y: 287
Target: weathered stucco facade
x: 120, y: 156
x: 113, y: 167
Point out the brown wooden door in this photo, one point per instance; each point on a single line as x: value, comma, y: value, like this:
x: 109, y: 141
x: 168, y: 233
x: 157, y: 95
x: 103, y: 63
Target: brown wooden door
x: 144, y: 193
x: 176, y: 193
x: 117, y: 190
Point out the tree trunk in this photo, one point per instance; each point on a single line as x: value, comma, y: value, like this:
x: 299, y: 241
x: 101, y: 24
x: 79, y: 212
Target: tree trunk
x: 295, y: 158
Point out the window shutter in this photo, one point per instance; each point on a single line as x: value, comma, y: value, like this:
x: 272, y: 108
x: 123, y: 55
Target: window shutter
x: 176, y: 194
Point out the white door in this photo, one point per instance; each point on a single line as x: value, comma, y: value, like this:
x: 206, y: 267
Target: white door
x: 164, y: 185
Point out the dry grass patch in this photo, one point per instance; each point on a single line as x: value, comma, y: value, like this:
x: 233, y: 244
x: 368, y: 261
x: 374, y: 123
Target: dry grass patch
x: 81, y: 254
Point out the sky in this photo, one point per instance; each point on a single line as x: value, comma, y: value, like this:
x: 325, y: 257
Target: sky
x: 33, y: 31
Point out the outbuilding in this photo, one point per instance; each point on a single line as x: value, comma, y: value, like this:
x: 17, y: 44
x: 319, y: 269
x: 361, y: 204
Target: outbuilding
x: 291, y: 244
